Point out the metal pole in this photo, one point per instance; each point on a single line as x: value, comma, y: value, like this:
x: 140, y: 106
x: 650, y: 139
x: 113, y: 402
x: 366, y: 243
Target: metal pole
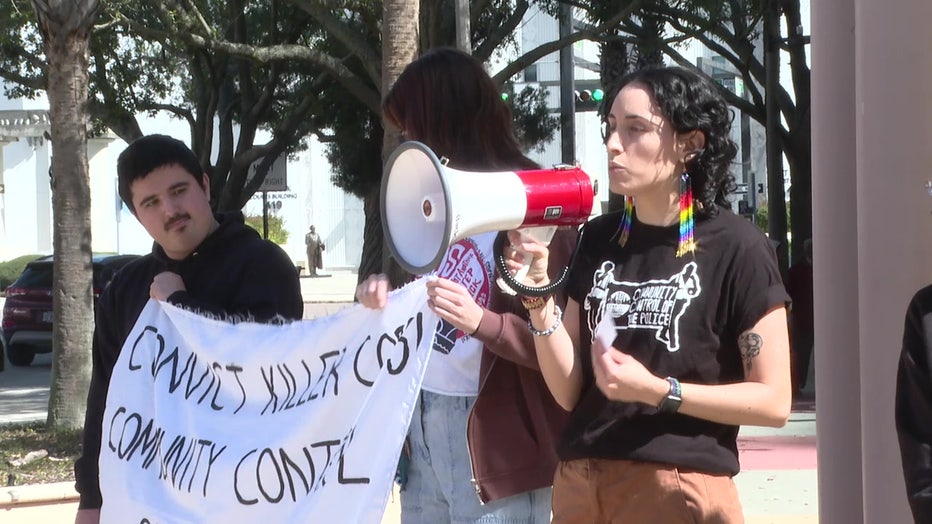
x: 463, y: 35
x: 265, y: 215
x: 567, y: 90
x: 747, y: 174
x: 776, y: 195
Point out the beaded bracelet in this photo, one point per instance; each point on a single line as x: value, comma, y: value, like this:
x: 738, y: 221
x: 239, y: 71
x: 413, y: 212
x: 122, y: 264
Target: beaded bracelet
x: 551, y: 329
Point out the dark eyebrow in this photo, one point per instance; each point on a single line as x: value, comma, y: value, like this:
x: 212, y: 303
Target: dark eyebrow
x: 629, y: 116
x: 146, y: 200
x: 171, y: 188
x: 179, y: 185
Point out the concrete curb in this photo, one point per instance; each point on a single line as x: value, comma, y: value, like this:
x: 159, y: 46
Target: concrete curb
x: 12, y: 497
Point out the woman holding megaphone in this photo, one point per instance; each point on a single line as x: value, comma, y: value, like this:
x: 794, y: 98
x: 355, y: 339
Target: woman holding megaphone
x: 675, y: 330
x: 482, y: 442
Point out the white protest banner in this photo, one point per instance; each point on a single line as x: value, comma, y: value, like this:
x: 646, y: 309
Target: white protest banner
x: 212, y: 422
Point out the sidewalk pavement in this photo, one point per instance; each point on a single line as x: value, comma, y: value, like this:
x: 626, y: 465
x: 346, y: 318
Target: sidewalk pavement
x: 777, y: 484
x: 329, y: 287
x: 328, y: 292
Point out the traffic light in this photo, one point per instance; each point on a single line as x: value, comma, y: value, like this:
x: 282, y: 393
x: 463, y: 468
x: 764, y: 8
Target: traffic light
x: 508, y: 93
x: 588, y: 96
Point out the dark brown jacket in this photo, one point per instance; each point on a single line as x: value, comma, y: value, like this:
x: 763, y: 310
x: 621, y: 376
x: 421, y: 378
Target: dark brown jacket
x: 515, y: 424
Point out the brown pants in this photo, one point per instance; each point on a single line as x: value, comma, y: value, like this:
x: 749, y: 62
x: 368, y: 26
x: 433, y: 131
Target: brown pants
x: 601, y: 491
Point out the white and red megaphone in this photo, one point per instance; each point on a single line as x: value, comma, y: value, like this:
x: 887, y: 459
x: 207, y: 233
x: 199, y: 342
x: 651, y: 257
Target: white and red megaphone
x: 427, y: 206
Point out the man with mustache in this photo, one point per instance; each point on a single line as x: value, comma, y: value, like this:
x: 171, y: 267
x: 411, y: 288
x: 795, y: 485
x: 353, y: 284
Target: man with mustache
x: 205, y: 262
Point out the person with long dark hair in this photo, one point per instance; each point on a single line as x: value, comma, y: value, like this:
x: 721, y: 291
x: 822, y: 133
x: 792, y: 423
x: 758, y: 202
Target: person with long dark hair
x: 675, y: 331
x: 482, y: 442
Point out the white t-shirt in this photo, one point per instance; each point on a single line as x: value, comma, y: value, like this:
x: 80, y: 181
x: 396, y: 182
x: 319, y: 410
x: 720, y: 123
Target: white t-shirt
x: 453, y: 368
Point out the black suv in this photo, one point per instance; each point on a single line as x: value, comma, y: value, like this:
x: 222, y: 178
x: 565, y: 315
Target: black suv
x: 27, y: 313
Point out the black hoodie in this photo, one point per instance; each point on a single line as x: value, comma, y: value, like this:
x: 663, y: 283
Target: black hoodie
x: 234, y: 273
x: 914, y: 404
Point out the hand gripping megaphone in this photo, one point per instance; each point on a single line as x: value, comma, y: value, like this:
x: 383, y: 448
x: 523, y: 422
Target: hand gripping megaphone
x: 427, y: 206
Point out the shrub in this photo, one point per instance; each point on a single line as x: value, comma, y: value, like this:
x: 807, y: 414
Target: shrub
x: 277, y: 231
x: 11, y: 269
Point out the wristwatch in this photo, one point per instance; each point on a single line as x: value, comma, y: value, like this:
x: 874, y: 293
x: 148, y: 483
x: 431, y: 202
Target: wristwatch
x: 671, y: 402
x: 532, y: 303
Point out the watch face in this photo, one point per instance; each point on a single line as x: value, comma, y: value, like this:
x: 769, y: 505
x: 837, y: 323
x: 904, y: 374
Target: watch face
x: 669, y: 405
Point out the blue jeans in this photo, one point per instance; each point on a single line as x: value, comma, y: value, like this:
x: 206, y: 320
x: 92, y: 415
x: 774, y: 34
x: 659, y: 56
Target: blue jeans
x: 439, y: 488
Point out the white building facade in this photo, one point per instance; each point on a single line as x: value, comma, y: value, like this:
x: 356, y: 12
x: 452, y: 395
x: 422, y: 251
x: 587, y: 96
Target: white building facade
x: 26, y: 208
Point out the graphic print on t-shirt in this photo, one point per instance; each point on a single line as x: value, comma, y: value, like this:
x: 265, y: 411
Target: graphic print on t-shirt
x: 464, y: 264
x: 653, y: 304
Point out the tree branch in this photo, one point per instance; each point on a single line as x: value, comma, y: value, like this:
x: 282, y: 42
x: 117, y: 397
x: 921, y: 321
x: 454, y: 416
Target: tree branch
x: 368, y: 57
x: 494, y: 39
x: 740, y: 55
x: 543, y: 50
x: 263, y: 54
x: 754, y: 110
x: 36, y: 83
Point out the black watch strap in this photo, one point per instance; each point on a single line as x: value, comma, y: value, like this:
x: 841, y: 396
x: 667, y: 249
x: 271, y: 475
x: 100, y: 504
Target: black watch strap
x: 671, y: 402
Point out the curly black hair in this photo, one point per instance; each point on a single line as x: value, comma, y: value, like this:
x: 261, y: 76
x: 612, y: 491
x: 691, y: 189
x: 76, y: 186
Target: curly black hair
x: 691, y: 102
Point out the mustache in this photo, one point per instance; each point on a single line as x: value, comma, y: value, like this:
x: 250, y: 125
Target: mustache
x: 175, y: 220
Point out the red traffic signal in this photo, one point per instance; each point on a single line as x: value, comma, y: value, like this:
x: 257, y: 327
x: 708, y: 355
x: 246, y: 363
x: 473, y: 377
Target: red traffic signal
x: 588, y: 99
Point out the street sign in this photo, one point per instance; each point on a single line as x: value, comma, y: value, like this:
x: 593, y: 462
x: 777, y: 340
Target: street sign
x: 277, y: 177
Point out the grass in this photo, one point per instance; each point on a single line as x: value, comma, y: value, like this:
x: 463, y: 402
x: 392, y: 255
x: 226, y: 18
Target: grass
x: 16, y: 440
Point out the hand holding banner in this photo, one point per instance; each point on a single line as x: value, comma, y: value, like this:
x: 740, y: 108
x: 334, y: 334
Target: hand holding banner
x: 208, y: 421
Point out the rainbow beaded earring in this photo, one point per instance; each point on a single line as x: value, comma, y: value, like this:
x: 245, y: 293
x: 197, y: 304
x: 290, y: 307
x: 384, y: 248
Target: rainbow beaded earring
x: 624, y: 227
x: 687, y: 242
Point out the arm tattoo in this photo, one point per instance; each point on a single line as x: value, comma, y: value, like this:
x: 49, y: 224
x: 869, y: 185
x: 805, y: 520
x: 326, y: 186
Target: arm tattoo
x: 749, y: 343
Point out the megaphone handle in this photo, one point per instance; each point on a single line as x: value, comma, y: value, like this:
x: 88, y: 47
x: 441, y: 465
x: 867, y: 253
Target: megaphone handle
x: 518, y: 275
x: 543, y: 234
x: 511, y: 280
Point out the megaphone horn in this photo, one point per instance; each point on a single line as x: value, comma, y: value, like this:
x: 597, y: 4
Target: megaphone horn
x: 427, y: 206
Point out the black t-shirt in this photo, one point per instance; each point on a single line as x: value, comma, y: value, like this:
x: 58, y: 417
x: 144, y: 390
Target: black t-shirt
x: 680, y: 317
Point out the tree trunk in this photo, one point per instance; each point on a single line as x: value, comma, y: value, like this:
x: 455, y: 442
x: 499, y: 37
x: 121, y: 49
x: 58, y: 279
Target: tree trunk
x: 399, y: 48
x: 799, y: 156
x: 65, y: 27
x: 463, y: 35
x: 647, y: 51
x: 776, y: 195
x: 798, y: 139
x: 372, y: 239
x: 614, y: 64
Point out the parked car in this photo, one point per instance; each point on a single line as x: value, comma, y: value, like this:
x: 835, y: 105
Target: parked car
x: 27, y: 312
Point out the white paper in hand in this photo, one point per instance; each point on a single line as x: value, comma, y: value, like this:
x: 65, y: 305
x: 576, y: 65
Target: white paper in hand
x: 605, y: 332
